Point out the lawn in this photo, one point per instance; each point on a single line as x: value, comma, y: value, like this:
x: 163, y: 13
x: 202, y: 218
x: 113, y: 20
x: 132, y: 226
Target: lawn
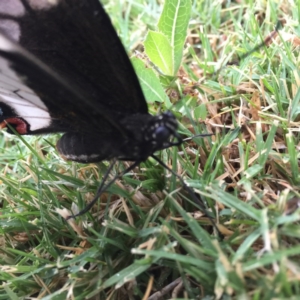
x: 148, y: 237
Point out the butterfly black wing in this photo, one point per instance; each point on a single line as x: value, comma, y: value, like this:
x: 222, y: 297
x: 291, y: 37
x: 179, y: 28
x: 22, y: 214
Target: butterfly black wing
x: 72, y: 59
x: 91, y: 56
x: 76, y: 40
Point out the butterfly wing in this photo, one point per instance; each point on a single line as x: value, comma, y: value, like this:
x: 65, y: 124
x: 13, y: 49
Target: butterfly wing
x: 19, y: 101
x: 72, y: 59
x: 76, y: 40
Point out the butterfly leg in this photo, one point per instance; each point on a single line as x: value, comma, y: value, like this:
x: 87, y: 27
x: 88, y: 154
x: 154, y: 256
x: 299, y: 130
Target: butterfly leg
x: 102, y: 188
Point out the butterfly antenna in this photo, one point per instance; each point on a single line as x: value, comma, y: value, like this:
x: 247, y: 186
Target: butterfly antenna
x: 200, y: 204
x: 102, y: 188
x: 197, y: 135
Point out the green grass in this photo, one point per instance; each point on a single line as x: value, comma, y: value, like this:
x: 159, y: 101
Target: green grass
x: 146, y: 231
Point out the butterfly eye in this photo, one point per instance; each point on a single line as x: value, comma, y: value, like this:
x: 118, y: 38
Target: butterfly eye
x: 161, y: 134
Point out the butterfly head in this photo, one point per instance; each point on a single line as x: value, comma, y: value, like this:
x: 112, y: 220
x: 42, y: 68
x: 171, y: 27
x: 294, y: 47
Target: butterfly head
x: 161, y: 130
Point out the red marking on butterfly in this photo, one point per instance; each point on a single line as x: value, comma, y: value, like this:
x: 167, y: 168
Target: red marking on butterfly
x: 19, y: 125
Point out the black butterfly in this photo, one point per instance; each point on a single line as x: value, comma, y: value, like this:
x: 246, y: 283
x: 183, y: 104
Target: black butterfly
x: 64, y: 69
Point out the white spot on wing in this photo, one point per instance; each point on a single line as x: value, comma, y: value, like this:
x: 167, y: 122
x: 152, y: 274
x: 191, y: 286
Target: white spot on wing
x: 81, y: 157
x: 12, y: 7
x: 36, y: 117
x: 10, y: 27
x: 6, y: 44
x: 23, y: 100
x: 42, y: 4
x: 15, y: 8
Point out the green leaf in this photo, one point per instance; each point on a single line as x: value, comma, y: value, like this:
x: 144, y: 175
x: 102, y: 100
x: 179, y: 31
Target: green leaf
x: 150, y: 83
x: 158, y: 49
x: 173, y: 23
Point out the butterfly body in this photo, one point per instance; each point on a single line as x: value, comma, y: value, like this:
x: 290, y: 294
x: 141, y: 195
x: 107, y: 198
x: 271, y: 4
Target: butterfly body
x: 69, y: 73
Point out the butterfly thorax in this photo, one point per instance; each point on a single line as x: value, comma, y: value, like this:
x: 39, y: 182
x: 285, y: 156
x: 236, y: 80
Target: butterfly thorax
x: 155, y: 134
